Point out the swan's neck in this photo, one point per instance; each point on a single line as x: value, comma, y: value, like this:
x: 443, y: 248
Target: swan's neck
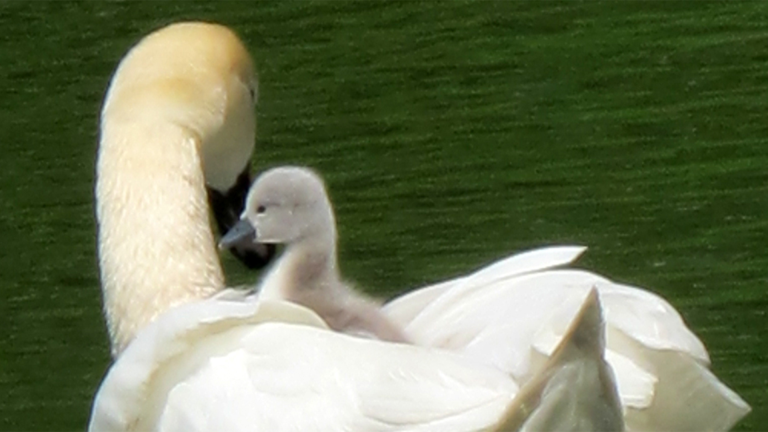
x: 306, y: 269
x: 156, y: 248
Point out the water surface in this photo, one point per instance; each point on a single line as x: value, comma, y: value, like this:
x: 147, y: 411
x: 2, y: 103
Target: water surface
x: 450, y: 134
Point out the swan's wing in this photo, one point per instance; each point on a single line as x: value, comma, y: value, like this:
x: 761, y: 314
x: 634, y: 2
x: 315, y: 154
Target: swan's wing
x: 124, y: 396
x: 223, y: 365
x: 408, y: 307
x: 404, y: 308
x: 648, y: 319
x: 686, y: 394
x: 496, y: 323
x: 513, y: 323
x: 660, y: 365
x: 575, y: 391
x: 297, y: 378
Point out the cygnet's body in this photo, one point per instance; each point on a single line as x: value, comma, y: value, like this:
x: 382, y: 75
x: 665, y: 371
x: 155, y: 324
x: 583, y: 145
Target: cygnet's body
x: 289, y: 205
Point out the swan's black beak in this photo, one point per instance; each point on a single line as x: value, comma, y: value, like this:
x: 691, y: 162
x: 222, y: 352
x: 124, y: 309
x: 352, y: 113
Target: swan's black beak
x: 227, y: 207
x: 242, y: 234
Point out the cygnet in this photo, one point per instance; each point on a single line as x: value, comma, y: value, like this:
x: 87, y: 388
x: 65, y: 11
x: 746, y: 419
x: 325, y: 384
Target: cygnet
x: 289, y: 205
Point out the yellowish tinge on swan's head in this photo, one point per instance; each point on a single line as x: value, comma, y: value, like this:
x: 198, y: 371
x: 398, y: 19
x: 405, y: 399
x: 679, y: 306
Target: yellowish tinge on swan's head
x: 200, y: 77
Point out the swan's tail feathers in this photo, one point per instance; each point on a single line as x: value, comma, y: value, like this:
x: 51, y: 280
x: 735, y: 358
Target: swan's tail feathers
x: 686, y: 396
x: 576, y: 389
x: 663, y: 368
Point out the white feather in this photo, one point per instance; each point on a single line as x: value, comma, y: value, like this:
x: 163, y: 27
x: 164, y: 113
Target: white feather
x: 512, y: 320
x: 227, y: 365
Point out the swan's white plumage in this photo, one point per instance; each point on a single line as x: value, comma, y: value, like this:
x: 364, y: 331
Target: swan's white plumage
x: 405, y: 308
x: 246, y: 364
x: 511, y: 316
x: 233, y: 365
x: 172, y: 348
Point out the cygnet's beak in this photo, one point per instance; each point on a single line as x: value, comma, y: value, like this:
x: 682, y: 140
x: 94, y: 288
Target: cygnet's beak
x: 241, y: 234
x: 227, y: 207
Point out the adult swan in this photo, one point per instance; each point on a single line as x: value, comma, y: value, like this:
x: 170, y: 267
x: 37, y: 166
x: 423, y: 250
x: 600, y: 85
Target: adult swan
x: 178, y: 120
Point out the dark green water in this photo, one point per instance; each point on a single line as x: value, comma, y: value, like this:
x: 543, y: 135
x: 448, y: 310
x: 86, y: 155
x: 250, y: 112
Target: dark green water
x: 450, y: 134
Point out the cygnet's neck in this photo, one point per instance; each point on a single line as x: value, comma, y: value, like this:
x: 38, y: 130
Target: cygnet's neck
x: 307, y: 269
x: 156, y: 248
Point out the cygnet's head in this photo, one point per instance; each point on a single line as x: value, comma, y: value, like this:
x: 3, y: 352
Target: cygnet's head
x: 201, y: 78
x: 285, y: 205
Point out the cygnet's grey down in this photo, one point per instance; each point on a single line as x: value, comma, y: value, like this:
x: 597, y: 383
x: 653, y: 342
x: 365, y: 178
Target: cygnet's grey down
x: 290, y: 206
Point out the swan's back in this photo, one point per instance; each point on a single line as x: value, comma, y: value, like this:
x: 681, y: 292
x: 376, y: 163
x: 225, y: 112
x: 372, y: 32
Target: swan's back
x: 244, y: 366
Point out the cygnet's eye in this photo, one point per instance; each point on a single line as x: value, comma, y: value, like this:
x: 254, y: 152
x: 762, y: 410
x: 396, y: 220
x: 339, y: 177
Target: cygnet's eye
x: 260, y: 209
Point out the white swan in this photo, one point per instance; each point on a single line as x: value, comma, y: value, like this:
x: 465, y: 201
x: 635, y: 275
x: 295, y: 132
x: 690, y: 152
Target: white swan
x: 289, y: 205
x: 178, y: 116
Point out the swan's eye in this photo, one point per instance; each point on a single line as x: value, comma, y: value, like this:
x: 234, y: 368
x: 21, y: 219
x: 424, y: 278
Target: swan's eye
x: 260, y: 209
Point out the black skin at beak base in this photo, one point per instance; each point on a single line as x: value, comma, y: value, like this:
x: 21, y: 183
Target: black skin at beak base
x: 227, y: 208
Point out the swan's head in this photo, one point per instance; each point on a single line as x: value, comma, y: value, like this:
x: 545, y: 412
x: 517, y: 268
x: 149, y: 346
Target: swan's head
x: 199, y: 78
x: 285, y: 205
